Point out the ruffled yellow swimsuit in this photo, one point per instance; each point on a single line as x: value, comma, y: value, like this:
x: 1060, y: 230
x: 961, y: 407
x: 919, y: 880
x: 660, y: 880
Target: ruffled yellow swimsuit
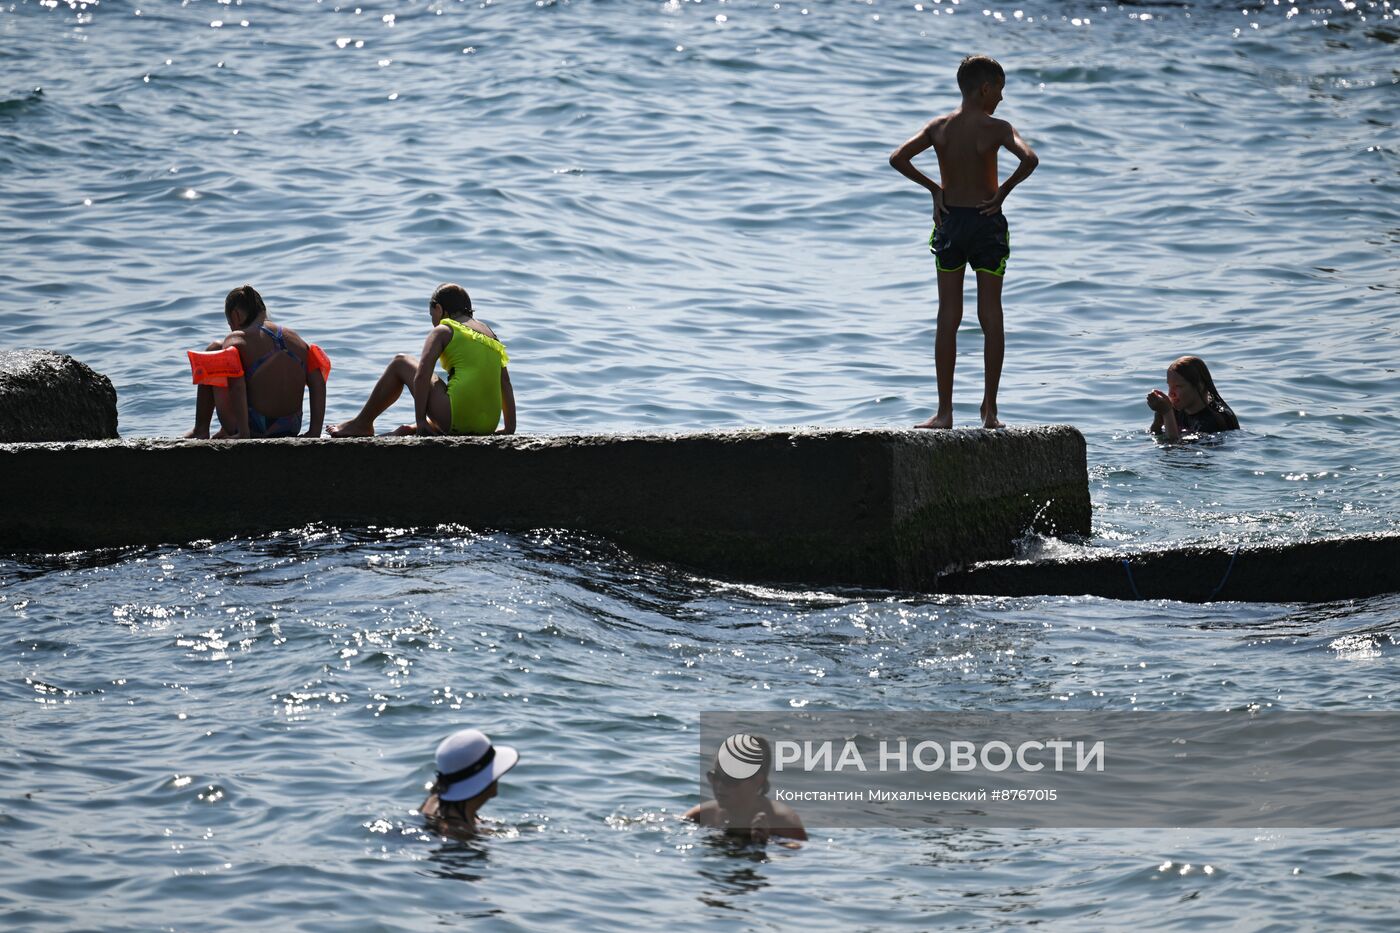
x: 473, y: 362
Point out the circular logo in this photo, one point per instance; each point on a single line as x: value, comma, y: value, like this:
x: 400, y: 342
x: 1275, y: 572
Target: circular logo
x: 741, y: 756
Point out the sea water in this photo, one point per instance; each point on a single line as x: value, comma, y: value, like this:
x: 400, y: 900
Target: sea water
x: 679, y: 216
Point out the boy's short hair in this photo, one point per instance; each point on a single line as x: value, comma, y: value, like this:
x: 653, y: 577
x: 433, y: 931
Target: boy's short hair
x: 453, y: 298
x: 247, y: 301
x: 977, y: 70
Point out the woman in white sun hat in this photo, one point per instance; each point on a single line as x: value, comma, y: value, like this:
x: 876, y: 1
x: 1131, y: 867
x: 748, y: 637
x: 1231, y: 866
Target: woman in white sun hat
x: 468, y: 767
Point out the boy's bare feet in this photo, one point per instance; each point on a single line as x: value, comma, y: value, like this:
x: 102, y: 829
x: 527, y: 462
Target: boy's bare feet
x: 938, y: 422
x: 197, y: 433
x: 405, y: 430
x: 352, y: 428
x: 989, y: 418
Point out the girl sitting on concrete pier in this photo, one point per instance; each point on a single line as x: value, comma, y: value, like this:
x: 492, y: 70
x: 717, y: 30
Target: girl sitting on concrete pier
x: 256, y: 376
x: 477, y: 389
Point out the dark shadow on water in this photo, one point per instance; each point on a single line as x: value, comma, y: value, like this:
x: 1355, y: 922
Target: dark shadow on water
x: 1300, y: 626
x: 15, y: 567
x: 459, y: 859
x: 731, y: 866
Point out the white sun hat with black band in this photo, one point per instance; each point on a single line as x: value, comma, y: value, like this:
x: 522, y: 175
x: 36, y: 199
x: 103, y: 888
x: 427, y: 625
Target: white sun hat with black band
x: 467, y: 763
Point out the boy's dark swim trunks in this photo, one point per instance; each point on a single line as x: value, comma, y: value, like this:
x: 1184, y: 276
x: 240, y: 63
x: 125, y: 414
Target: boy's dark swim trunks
x: 968, y: 235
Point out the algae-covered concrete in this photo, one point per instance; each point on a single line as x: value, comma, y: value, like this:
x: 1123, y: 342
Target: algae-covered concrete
x: 47, y: 396
x: 864, y: 507
x: 1351, y: 567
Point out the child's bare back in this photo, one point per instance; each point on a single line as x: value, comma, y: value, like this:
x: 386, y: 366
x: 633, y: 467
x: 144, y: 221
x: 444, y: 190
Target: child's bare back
x: 967, y: 144
x: 281, y: 374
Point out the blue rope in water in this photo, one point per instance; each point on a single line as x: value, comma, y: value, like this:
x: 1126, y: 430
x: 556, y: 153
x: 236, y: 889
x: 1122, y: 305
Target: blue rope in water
x: 1132, y: 584
x: 1216, y: 591
x: 1129, y: 571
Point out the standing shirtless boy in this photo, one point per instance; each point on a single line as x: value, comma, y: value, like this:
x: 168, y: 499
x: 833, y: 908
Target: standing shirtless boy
x: 968, y: 225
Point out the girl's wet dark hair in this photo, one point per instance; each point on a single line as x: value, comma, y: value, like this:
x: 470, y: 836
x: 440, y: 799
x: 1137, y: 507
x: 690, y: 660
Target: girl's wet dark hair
x: 245, y: 300
x: 1193, y: 369
x: 455, y: 809
x: 454, y: 300
x: 452, y: 810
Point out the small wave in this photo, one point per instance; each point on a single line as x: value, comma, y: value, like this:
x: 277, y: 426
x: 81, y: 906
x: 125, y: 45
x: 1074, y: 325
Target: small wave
x: 21, y: 104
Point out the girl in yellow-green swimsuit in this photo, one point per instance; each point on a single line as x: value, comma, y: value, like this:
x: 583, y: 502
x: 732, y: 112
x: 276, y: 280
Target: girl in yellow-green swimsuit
x: 477, y: 390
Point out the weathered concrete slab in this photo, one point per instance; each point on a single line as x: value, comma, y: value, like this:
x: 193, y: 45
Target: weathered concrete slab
x: 47, y: 396
x: 1350, y: 567
x: 874, y: 508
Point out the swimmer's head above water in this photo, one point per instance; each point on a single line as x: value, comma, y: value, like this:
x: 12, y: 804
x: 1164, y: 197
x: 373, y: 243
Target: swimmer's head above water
x: 740, y: 771
x: 1190, y: 387
x: 468, y: 768
x: 742, y: 805
x: 1191, y: 404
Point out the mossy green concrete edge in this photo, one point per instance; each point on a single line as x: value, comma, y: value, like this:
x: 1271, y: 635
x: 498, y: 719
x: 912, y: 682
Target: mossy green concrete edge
x: 983, y: 494
x: 858, y: 507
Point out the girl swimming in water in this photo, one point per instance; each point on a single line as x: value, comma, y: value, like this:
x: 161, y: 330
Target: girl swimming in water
x: 261, y: 396
x: 477, y: 390
x: 1191, y: 404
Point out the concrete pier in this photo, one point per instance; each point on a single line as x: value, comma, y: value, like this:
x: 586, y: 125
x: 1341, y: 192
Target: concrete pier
x: 1351, y: 567
x: 865, y: 507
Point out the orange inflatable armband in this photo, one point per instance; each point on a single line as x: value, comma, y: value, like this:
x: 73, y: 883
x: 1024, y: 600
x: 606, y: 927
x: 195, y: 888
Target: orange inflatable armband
x: 215, y: 367
x: 317, y: 361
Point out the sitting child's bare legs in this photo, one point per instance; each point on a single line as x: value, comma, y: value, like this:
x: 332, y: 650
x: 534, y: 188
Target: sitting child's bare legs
x: 397, y: 375
x: 945, y: 347
x: 203, y: 404
x: 203, y: 412
x: 405, y: 430
x: 228, y: 414
x: 993, y: 342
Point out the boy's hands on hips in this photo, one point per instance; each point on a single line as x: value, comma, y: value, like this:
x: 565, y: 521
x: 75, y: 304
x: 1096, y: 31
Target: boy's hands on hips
x: 992, y: 205
x: 938, y: 207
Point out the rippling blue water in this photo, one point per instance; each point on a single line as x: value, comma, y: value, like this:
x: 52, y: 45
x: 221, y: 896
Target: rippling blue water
x: 678, y: 216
